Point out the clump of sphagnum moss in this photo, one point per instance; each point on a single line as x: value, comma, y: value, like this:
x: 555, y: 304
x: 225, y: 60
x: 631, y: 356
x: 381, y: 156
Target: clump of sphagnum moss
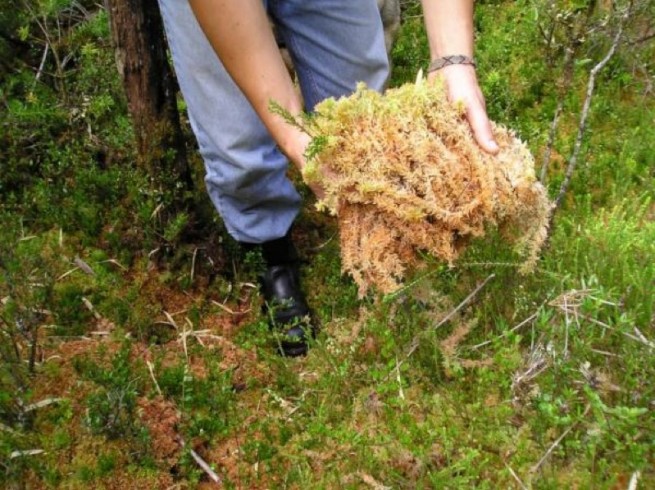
x: 404, y: 175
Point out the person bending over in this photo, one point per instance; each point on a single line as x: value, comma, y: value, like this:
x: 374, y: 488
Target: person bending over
x: 229, y: 69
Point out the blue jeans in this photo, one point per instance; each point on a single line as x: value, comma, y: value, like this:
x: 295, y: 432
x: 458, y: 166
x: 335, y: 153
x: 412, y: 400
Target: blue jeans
x: 334, y: 44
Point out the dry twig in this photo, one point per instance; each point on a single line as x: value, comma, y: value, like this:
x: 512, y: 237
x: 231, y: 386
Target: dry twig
x: 536, y: 467
x: 28, y: 452
x: 634, y: 480
x: 202, y: 463
x: 41, y: 404
x: 582, y: 126
x: 505, y: 334
x: 516, y: 477
x: 417, y: 339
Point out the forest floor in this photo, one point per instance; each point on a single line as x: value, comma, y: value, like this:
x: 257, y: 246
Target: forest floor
x: 135, y: 351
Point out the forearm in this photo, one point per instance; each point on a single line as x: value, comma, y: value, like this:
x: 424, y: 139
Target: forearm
x: 240, y: 33
x: 449, y: 24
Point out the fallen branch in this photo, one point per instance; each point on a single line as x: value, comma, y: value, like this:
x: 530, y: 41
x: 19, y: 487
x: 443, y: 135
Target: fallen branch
x: 536, y: 467
x: 42, y: 404
x: 29, y: 452
x: 196, y: 457
x: 205, y: 467
x: 193, y: 265
x: 417, y: 339
x: 39, y: 72
x: 505, y: 334
x: 202, y: 463
x: 516, y: 477
x: 634, y: 480
x: 582, y: 126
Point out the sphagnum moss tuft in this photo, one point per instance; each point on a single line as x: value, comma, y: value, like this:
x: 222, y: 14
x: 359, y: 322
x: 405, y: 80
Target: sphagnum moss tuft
x: 406, y: 176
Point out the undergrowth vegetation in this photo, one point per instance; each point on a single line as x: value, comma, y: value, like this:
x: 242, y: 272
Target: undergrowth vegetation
x: 132, y: 342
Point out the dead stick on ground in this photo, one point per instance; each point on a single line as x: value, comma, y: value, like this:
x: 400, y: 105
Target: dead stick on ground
x: 516, y: 477
x: 573, y: 161
x: 42, y: 65
x: 202, y: 463
x: 205, y: 467
x: 196, y: 457
x: 417, y: 340
x: 634, y: 480
x: 41, y: 404
x: 28, y: 452
x: 536, y: 467
x: 512, y: 330
x: 193, y: 265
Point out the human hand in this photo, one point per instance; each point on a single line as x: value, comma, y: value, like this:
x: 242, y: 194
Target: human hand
x: 462, y: 86
x: 295, y: 148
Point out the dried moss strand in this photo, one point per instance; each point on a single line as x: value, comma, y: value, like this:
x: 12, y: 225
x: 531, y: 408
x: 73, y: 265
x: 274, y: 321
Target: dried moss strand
x: 407, y: 177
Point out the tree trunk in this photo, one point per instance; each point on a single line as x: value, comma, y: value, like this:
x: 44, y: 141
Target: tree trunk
x: 140, y: 47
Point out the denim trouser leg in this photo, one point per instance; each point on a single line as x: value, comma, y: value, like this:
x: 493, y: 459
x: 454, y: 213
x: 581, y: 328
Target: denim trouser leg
x: 334, y: 44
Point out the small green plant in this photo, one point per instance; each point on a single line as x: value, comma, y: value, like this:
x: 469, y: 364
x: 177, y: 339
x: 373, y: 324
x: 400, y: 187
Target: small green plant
x: 28, y: 267
x: 111, y: 409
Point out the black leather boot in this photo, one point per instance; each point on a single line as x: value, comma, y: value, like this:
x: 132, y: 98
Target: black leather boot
x: 286, y: 308
x: 284, y: 305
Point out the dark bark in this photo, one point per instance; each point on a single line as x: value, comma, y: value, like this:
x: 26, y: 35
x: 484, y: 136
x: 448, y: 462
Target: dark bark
x: 150, y: 87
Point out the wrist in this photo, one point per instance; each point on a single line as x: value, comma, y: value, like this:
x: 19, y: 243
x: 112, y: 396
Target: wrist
x: 445, y: 62
x: 455, y: 74
x: 294, y: 145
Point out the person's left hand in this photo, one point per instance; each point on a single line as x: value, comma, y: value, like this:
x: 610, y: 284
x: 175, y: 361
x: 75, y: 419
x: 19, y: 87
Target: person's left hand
x: 462, y: 85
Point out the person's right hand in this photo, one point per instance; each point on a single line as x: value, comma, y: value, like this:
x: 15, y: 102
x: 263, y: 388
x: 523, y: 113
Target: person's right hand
x: 462, y: 86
